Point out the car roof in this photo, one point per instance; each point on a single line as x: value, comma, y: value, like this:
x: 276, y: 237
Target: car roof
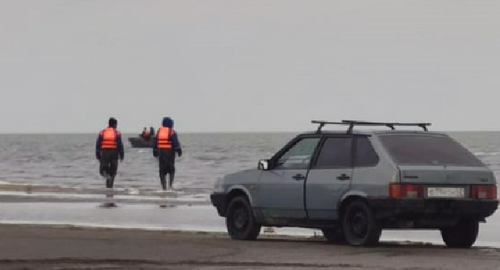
x: 374, y: 132
x: 392, y: 125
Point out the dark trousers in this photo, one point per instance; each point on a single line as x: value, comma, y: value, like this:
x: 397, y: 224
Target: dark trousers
x: 166, y: 159
x: 108, y: 165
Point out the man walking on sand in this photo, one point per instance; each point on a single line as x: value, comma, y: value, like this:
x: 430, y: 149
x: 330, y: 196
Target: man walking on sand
x: 165, y: 146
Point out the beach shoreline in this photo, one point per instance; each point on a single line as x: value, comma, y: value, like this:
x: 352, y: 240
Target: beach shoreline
x: 74, y: 247
x: 179, y: 212
x: 51, y: 230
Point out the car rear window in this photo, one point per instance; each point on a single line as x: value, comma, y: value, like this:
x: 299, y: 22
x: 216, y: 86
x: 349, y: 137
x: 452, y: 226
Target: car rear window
x: 428, y: 150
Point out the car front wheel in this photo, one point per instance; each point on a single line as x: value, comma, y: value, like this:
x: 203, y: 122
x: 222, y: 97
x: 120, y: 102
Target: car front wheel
x: 462, y: 235
x: 240, y: 221
x: 359, y: 225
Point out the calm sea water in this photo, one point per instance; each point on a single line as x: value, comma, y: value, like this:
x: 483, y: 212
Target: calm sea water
x: 69, y: 160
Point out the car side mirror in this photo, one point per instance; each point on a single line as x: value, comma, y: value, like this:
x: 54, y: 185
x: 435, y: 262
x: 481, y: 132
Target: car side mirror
x: 263, y: 164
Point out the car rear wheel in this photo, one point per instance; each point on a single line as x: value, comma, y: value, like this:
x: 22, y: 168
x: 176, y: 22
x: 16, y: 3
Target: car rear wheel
x: 334, y: 235
x: 240, y: 221
x: 359, y: 225
x: 462, y: 235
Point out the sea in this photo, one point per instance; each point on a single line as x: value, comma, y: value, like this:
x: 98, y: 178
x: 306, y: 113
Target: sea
x: 68, y: 160
x: 54, y: 179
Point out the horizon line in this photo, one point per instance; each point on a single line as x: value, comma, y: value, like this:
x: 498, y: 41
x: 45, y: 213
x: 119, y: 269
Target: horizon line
x: 208, y: 132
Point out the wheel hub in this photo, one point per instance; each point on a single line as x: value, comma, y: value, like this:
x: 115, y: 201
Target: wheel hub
x: 359, y: 224
x: 240, y: 218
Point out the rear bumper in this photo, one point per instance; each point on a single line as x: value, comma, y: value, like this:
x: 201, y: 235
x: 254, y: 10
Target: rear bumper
x: 219, y: 201
x: 436, y: 208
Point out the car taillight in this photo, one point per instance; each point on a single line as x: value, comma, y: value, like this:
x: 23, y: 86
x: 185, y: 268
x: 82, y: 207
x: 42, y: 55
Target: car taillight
x: 483, y: 191
x: 400, y: 191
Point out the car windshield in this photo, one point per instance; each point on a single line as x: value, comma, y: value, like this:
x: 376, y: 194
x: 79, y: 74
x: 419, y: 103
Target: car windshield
x: 428, y: 150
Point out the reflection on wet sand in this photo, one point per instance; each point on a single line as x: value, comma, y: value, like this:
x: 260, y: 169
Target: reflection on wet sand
x: 183, y: 209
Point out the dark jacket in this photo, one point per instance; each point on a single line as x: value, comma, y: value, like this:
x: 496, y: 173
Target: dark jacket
x: 119, y: 145
x: 176, y: 145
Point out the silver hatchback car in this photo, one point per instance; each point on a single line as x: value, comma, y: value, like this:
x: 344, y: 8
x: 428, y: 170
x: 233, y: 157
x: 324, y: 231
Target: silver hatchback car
x: 352, y: 184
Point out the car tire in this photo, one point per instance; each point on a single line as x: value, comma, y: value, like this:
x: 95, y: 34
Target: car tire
x: 359, y: 225
x: 462, y: 235
x: 240, y: 222
x: 334, y: 235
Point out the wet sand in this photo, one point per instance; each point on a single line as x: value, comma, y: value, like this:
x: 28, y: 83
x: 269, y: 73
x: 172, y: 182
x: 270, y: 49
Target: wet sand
x: 65, y: 247
x: 60, y: 231
x: 182, y: 216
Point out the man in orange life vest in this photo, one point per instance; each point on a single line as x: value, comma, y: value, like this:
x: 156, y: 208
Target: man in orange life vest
x: 108, y: 149
x: 165, y: 146
x: 145, y: 134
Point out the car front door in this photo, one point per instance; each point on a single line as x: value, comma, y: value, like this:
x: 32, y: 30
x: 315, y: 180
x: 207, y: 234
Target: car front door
x: 330, y: 177
x: 280, y: 191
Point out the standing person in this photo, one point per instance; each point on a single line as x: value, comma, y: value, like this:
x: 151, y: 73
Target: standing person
x: 108, y: 149
x: 151, y: 133
x: 165, y: 146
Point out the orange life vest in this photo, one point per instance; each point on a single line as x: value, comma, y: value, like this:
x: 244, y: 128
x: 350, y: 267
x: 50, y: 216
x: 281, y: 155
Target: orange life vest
x: 163, y: 135
x: 109, y: 138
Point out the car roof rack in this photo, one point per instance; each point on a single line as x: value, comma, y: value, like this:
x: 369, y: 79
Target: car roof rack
x: 353, y: 123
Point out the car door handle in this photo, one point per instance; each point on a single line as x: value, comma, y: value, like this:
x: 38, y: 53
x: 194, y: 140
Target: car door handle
x: 343, y: 177
x: 299, y: 177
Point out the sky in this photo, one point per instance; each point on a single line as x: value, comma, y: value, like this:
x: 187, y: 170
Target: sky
x: 247, y: 66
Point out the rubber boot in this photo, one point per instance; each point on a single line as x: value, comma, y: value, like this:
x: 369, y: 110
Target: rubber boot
x: 163, y: 182
x: 109, y: 182
x: 170, y: 181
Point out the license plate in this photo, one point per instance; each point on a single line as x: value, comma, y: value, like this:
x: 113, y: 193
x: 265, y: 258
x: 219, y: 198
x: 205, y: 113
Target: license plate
x: 445, y: 192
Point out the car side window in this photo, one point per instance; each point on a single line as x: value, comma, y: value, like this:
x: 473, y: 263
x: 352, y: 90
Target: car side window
x: 335, y: 153
x: 365, y: 154
x: 299, y: 155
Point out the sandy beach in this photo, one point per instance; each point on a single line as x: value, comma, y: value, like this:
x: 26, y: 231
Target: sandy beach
x: 43, y: 230
x: 65, y: 247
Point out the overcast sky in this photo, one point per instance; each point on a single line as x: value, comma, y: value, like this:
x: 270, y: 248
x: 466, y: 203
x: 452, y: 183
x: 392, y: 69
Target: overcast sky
x: 270, y: 65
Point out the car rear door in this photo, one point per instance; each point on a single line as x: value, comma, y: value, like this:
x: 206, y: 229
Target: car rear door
x: 330, y: 177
